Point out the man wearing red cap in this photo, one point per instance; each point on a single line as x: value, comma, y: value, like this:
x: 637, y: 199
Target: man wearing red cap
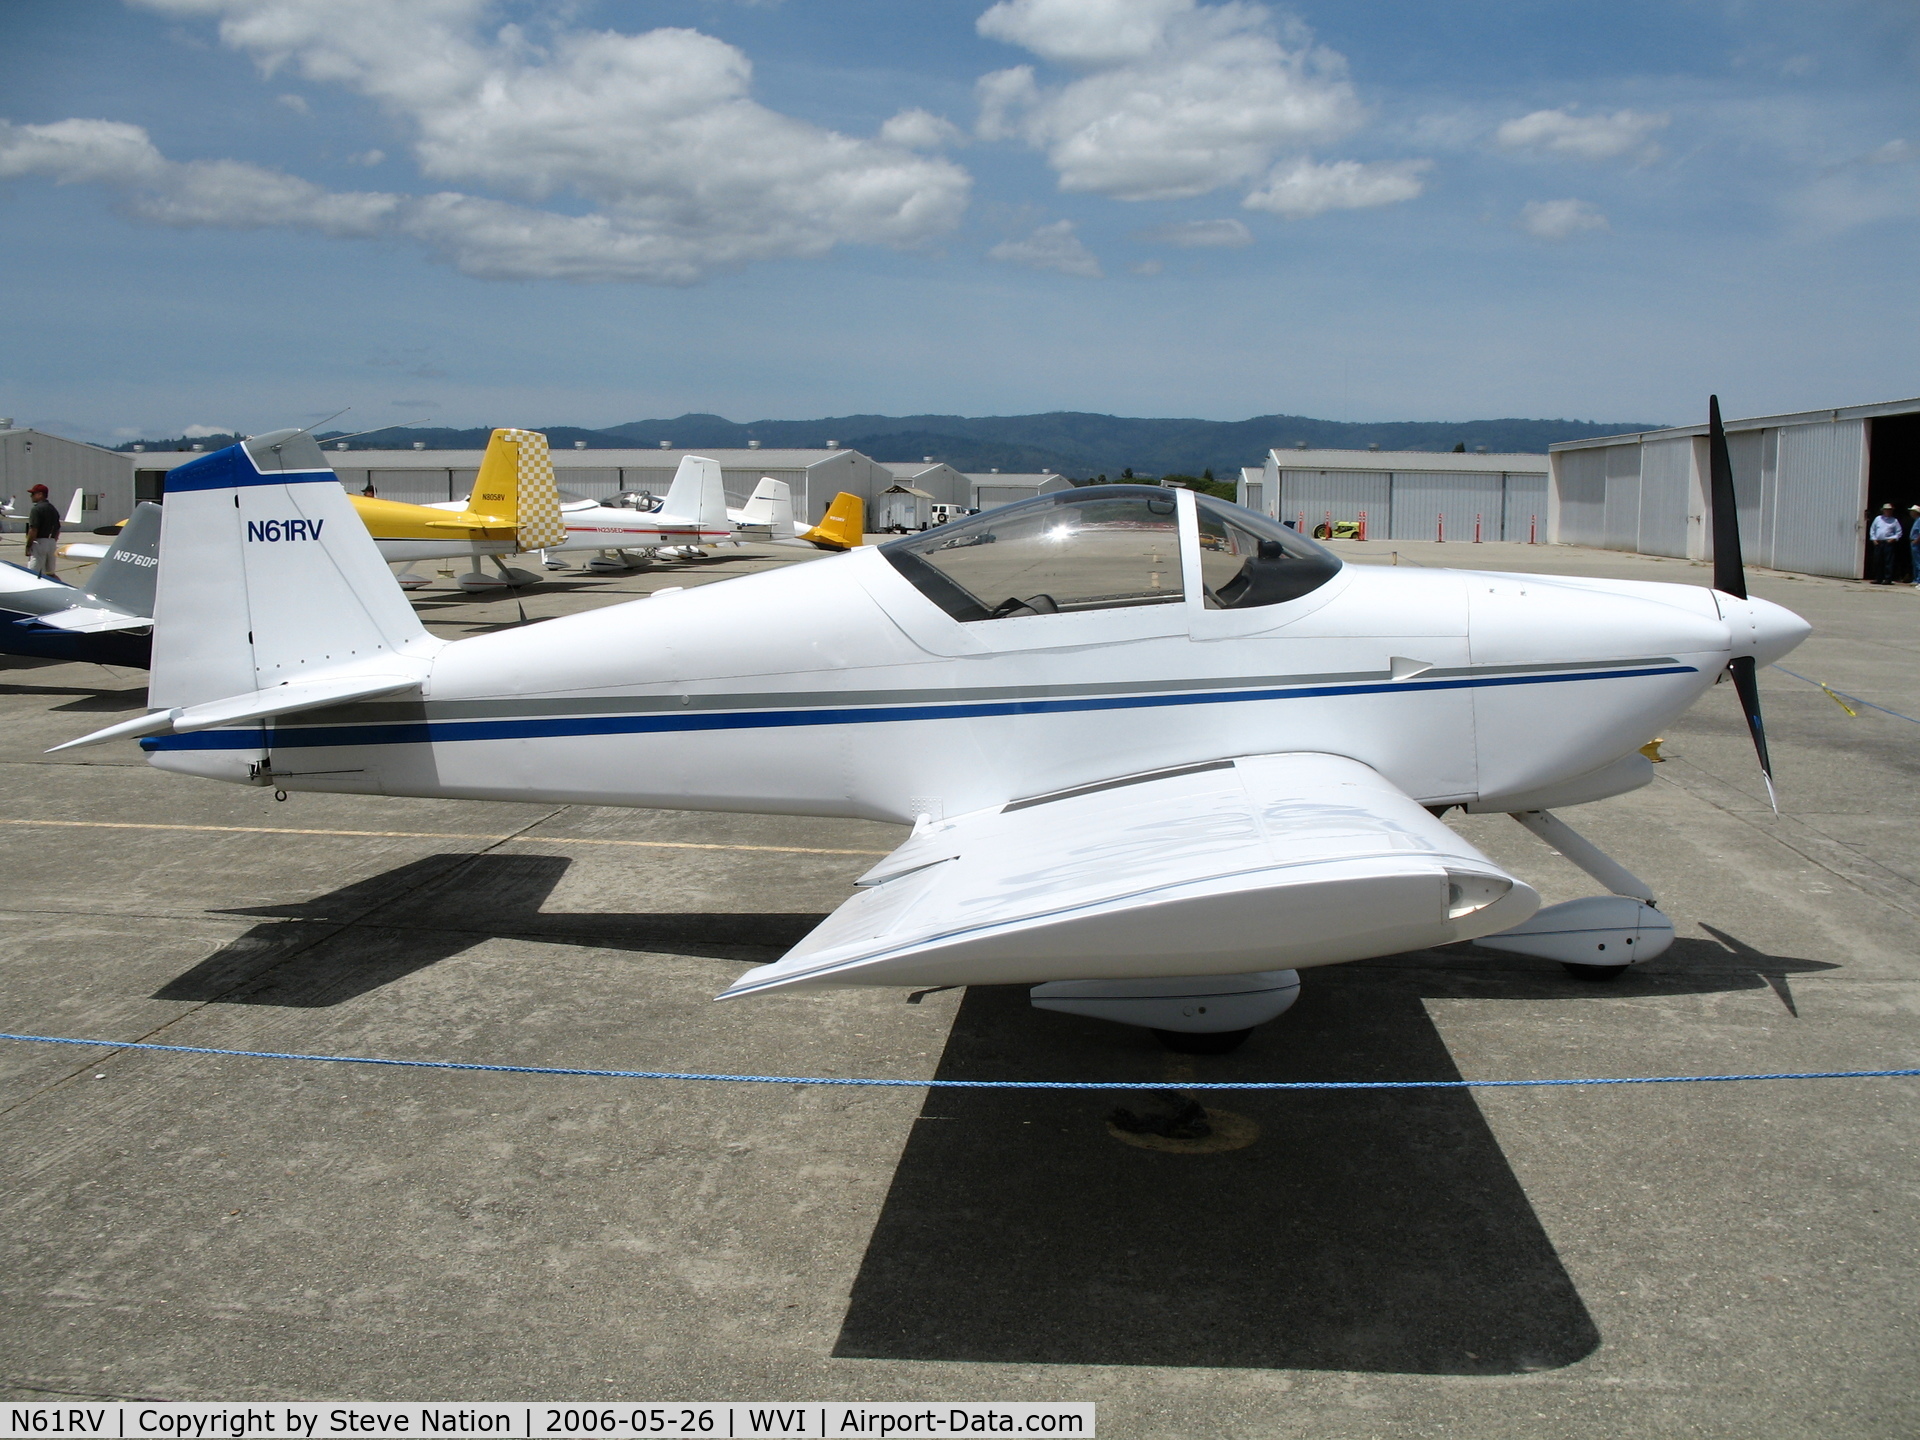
x: 43, y: 531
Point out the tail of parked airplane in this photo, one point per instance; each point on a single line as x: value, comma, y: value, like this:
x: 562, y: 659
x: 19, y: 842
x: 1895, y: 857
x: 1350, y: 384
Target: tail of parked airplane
x: 124, y: 578
x: 843, y: 526
x: 771, y: 506
x: 76, y: 509
x: 697, y: 497
x: 273, y: 599
x: 516, y: 484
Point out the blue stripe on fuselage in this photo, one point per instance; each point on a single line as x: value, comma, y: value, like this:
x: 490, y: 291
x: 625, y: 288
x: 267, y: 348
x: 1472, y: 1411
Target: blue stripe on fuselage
x: 428, y: 732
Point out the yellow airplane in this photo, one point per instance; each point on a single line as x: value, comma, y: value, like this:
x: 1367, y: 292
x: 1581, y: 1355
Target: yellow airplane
x: 514, y: 507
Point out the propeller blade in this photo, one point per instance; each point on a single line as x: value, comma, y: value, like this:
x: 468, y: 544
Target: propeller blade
x: 1729, y: 573
x: 1746, y: 684
x: 1730, y: 578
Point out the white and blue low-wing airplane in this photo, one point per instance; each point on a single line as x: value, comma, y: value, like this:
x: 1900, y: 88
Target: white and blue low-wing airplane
x: 1158, y: 752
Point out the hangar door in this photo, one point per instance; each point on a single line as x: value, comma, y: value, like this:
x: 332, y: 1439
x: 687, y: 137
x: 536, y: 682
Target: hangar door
x: 1309, y: 498
x: 1818, y: 520
x: 1526, y: 510
x: 988, y: 496
x: 1445, y: 505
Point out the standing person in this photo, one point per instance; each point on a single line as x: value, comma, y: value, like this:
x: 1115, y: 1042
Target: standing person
x: 1913, y: 542
x: 43, y: 532
x: 1884, y: 535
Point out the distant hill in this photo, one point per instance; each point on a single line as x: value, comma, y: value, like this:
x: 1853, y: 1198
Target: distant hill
x: 1068, y: 442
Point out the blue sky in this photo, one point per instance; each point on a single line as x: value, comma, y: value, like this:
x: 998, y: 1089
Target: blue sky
x: 243, y: 213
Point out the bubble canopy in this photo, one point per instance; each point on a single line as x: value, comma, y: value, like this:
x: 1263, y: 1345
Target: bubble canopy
x: 1106, y: 547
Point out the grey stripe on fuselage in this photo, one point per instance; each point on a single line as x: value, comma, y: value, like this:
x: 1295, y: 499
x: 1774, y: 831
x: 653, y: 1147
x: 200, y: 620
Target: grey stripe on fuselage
x: 392, y: 712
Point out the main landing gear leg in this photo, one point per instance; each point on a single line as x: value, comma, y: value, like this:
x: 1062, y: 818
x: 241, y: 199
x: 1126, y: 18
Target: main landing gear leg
x: 1596, y: 938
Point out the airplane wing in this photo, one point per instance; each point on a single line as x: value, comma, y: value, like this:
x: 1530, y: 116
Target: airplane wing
x: 85, y: 550
x: 1256, y: 863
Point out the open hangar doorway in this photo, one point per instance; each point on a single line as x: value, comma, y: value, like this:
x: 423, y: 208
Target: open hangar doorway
x: 1893, y: 472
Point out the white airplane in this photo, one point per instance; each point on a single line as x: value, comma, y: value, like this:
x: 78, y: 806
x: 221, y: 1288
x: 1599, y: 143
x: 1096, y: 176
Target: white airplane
x: 767, y: 515
x: 1159, y: 752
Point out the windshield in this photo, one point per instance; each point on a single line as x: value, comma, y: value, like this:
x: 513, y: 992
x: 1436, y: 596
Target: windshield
x: 1092, y: 548
x: 1248, y: 560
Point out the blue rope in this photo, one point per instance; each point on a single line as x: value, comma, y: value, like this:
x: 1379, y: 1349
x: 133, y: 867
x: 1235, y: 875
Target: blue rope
x: 969, y: 1084
x: 1844, y: 695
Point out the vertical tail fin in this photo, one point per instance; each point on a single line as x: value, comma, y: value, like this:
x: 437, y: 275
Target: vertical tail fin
x: 270, y: 578
x: 697, y: 497
x: 124, y: 578
x: 770, y: 505
x: 516, y: 484
x: 843, y: 526
x: 76, y: 509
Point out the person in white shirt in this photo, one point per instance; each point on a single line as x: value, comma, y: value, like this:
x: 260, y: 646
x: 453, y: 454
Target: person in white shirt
x: 1884, y: 536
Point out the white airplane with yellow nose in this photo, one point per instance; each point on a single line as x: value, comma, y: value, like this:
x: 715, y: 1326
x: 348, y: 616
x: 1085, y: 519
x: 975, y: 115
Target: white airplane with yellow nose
x: 1159, y: 753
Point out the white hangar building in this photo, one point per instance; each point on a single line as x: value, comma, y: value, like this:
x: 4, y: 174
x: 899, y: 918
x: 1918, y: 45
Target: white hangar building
x: 31, y: 457
x: 1405, y: 494
x: 993, y: 488
x: 1807, y: 484
x: 908, y: 503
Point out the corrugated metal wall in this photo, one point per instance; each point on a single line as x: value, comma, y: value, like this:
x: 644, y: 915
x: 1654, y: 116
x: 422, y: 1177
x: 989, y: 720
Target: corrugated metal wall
x: 1309, y: 496
x: 1666, y: 493
x: 1431, y: 504
x: 1821, y: 498
x: 30, y: 457
x: 1800, y: 489
x: 985, y: 497
x: 1621, y: 517
x: 1526, y: 507
x: 1581, y: 484
x: 412, y: 486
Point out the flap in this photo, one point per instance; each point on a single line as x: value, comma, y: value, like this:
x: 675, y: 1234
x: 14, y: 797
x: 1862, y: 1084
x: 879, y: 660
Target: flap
x: 1255, y: 863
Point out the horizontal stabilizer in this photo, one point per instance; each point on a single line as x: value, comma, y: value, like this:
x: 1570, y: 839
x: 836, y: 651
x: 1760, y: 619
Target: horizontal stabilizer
x: 259, y: 705
x: 87, y: 620
x: 84, y: 550
x: 1266, y: 862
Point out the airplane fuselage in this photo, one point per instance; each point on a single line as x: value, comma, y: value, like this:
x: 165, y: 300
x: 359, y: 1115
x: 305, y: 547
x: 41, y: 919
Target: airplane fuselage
x: 838, y: 689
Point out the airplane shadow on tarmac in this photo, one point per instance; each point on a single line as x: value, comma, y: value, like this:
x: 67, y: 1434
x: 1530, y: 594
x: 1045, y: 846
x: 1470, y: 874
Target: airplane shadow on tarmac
x: 1374, y: 1231
x: 340, y: 945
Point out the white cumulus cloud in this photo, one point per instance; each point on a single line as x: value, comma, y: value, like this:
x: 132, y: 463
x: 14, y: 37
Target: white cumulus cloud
x: 682, y: 171
x: 921, y: 130
x: 225, y: 193
x: 1560, y: 219
x: 1304, y: 188
x: 1199, y: 234
x: 1050, y: 247
x: 1584, y: 137
x: 1172, y: 98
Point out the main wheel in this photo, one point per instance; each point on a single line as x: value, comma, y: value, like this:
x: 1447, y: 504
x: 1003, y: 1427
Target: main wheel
x: 1205, y: 1042
x: 1594, y: 972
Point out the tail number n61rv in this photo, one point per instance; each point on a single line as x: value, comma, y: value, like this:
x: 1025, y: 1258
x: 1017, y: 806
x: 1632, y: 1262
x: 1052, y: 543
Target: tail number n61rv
x: 1158, y: 752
